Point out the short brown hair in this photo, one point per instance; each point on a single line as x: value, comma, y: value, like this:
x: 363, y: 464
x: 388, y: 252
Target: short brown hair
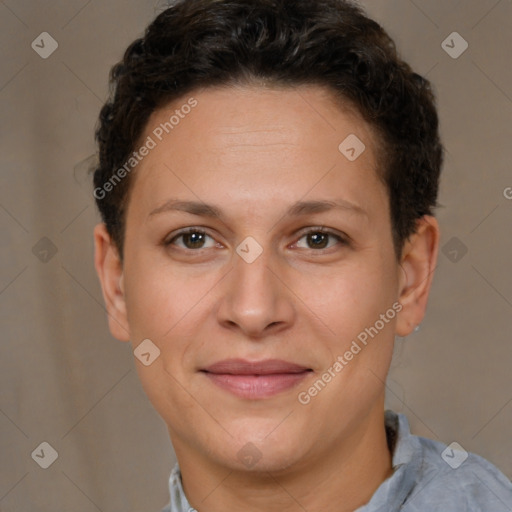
x: 204, y: 43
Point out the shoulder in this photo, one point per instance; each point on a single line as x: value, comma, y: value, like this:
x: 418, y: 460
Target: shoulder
x: 453, y: 479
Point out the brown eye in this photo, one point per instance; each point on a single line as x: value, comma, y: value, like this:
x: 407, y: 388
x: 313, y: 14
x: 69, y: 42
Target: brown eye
x: 318, y: 239
x: 191, y: 239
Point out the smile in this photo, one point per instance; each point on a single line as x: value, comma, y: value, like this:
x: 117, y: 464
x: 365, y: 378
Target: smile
x: 256, y: 380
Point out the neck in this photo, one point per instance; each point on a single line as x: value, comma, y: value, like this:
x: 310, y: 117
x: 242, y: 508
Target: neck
x: 340, y: 480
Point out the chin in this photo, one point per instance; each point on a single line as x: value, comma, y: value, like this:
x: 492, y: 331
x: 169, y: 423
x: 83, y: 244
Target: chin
x: 254, y: 450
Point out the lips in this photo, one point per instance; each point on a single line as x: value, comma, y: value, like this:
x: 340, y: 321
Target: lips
x: 256, y: 380
x: 243, y: 367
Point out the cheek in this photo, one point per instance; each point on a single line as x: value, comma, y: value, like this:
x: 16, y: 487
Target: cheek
x: 171, y: 307
x: 148, y: 305
x: 349, y: 299
x: 160, y: 295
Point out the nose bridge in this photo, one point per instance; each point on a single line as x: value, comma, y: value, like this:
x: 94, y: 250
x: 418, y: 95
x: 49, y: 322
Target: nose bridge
x: 254, y: 298
x: 253, y: 283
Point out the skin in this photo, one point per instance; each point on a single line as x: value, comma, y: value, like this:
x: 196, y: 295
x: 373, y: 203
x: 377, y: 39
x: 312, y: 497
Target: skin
x: 253, y: 151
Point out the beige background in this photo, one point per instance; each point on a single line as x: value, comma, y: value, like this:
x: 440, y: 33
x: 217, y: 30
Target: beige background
x: 64, y: 380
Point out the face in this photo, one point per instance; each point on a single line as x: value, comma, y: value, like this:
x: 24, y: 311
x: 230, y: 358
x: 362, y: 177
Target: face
x: 259, y: 260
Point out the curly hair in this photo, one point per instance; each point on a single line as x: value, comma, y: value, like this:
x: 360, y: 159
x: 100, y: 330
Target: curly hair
x: 331, y: 43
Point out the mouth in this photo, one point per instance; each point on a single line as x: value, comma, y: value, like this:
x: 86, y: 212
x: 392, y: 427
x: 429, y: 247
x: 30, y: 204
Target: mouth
x: 256, y: 380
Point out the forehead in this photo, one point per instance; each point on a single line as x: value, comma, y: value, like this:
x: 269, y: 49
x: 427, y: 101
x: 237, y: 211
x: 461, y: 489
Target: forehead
x: 246, y: 144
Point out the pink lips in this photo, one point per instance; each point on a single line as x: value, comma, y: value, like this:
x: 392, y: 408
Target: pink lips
x: 255, y: 380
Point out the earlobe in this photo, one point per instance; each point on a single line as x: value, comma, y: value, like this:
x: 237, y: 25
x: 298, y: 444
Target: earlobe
x: 417, y: 265
x: 110, y: 272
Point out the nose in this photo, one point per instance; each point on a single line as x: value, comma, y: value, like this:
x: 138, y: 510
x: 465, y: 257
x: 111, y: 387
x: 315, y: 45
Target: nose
x: 256, y: 301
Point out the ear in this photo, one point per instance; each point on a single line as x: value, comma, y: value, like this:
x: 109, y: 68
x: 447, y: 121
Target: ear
x: 418, y: 262
x: 110, y: 272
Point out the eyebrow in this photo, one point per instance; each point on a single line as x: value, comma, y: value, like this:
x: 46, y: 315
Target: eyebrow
x: 297, y: 209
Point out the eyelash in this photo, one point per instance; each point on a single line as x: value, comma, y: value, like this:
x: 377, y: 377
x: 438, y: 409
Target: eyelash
x: 344, y: 241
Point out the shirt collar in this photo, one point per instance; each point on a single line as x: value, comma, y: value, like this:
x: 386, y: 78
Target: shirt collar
x: 390, y: 495
x: 406, y: 463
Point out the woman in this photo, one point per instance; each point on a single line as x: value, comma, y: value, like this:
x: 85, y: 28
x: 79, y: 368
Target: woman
x: 267, y: 179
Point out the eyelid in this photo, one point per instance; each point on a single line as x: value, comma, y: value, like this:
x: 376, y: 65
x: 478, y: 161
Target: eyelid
x: 322, y: 229
x: 341, y: 237
x: 168, y: 240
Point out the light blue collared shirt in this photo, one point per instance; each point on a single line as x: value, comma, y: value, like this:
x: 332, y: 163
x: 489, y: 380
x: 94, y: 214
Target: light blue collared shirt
x: 428, y: 477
